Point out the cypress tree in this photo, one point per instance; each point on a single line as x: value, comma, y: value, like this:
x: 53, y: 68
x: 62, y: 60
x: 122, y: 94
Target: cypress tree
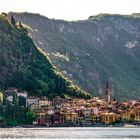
x: 13, y: 21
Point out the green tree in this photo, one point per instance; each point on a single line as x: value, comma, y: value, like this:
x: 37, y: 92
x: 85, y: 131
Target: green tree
x: 22, y: 101
x: 30, y: 117
x: 13, y: 20
x: 21, y: 114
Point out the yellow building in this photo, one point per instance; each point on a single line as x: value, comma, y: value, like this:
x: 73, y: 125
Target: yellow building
x: 126, y: 116
x: 71, y: 116
x: 136, y: 112
x: 34, y: 106
x: 137, y: 116
x: 108, y: 118
x: 133, y: 114
x: 93, y: 117
x: 1, y: 97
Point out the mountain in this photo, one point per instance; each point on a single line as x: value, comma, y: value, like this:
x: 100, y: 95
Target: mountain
x: 26, y: 67
x: 90, y: 52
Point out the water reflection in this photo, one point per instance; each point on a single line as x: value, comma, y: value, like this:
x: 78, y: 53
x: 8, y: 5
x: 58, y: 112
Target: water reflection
x: 70, y: 132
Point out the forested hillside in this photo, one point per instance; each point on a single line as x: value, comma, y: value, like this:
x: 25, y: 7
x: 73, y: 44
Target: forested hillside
x: 26, y: 67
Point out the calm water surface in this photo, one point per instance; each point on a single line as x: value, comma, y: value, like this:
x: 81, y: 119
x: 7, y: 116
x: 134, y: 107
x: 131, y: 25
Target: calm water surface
x: 70, y: 132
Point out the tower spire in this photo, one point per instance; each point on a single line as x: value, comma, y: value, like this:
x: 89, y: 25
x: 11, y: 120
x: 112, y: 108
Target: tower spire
x: 107, y: 93
x: 107, y: 85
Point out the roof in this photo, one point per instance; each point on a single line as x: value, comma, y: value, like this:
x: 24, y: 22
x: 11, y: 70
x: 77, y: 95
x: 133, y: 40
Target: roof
x: 12, y: 89
x: 106, y: 113
x: 43, y: 98
x: 33, y: 104
x: 32, y: 97
x: 39, y: 111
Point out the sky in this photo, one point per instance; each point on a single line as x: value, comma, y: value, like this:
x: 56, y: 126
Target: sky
x: 71, y: 9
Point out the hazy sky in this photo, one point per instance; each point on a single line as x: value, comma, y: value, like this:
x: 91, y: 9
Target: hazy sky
x: 71, y: 9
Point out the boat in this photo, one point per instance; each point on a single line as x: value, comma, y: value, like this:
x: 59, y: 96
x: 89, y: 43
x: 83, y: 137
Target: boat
x: 130, y: 126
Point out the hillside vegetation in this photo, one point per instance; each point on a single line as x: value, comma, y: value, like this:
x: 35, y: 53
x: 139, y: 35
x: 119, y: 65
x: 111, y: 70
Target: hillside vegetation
x: 24, y: 66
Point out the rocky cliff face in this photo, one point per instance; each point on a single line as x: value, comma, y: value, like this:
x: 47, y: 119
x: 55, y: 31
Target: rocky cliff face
x: 90, y: 52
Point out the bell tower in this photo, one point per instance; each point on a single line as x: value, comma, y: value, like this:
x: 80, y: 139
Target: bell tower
x: 107, y: 93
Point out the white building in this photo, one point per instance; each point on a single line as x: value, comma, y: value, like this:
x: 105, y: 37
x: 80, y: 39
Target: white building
x: 87, y: 111
x: 95, y: 110
x: 31, y: 100
x: 23, y: 94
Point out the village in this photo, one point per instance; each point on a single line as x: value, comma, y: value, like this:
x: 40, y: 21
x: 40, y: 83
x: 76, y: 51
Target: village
x: 74, y: 111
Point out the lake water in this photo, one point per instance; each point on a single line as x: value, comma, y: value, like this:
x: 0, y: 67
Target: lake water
x: 70, y: 132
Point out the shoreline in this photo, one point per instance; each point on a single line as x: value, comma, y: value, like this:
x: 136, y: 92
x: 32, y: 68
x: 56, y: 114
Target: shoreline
x: 78, y: 127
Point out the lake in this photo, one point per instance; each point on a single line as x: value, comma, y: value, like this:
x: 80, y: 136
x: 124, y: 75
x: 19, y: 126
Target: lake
x: 71, y: 132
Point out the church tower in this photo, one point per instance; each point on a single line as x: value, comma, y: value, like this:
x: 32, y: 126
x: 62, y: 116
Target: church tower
x: 107, y: 93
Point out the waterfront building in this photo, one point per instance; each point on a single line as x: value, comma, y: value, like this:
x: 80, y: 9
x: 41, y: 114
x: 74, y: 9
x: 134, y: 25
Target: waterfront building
x: 39, y: 113
x: 58, y: 117
x: 41, y: 121
x: 87, y: 112
x: 95, y: 118
x: 109, y: 117
x: 136, y: 113
x: 95, y: 110
x: 71, y: 116
x: 126, y: 116
x: 49, y: 117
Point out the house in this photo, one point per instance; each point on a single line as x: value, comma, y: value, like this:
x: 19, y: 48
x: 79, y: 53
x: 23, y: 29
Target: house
x: 94, y: 117
x: 95, y: 110
x: 58, y: 117
x: 66, y: 105
x: 57, y: 101
x: 137, y: 114
x: 1, y: 97
x: 39, y: 113
x: 41, y: 121
x: 49, y: 117
x: 11, y: 94
x: 31, y: 100
x: 132, y: 102
x: 23, y: 94
x: 126, y: 116
x: 80, y: 102
x: 137, y: 117
x: 43, y: 101
x: 11, y: 91
x: 109, y: 117
x: 10, y: 99
x: 94, y: 114
x: 71, y: 116
x: 34, y: 106
x: 87, y: 112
